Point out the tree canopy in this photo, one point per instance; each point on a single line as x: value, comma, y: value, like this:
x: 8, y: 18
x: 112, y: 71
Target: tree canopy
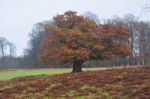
x: 73, y: 38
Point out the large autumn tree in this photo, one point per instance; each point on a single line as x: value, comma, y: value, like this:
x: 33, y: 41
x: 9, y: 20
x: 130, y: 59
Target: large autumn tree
x: 75, y: 39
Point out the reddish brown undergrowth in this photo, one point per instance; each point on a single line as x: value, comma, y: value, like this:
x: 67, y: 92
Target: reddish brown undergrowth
x: 126, y: 83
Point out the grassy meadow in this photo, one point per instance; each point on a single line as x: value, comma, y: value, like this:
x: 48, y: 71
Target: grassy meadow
x: 14, y: 73
x: 8, y: 74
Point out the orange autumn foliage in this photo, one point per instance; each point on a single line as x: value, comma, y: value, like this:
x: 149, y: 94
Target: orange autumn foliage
x: 74, y: 37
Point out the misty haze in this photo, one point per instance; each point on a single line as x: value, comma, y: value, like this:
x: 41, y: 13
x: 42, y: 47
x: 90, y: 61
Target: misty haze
x: 67, y: 49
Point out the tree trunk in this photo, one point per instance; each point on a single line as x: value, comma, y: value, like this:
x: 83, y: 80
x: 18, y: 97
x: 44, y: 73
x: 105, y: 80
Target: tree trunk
x: 3, y: 54
x: 77, y: 66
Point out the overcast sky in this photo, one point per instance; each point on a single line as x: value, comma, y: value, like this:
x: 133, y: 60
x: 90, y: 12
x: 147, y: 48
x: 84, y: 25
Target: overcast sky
x: 17, y: 17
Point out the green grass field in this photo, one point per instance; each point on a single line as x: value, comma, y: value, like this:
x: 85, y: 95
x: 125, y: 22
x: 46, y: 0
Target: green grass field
x: 10, y: 74
x: 14, y: 73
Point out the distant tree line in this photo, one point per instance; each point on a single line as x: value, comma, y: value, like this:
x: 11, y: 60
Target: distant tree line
x: 138, y: 42
x: 7, y: 54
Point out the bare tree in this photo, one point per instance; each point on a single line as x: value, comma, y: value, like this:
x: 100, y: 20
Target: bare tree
x: 36, y: 36
x: 3, y: 45
x: 144, y: 42
x: 131, y: 21
x: 92, y: 16
x: 7, y: 53
x: 12, y: 49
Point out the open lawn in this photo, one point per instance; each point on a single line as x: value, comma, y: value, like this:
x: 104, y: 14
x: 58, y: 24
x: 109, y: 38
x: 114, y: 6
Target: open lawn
x: 14, y: 73
x: 10, y: 74
x: 118, y: 83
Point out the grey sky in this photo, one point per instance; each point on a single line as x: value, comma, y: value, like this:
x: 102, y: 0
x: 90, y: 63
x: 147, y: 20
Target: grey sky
x: 18, y: 16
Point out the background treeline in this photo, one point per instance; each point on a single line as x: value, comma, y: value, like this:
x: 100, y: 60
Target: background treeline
x: 7, y: 54
x: 139, y: 44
